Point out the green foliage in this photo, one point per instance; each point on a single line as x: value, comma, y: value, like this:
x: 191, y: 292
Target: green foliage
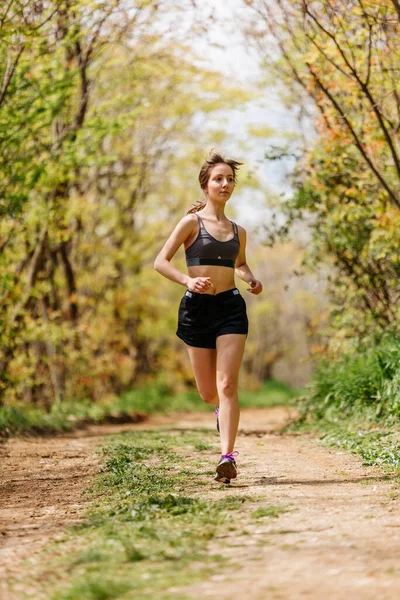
x: 132, y: 404
x: 347, y: 178
x: 98, y: 111
x: 30, y: 419
x: 271, y: 393
x: 151, y: 399
x: 354, y: 400
x: 363, y: 381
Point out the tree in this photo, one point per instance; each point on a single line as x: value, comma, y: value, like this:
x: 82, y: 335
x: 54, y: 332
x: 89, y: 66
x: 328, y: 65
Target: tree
x: 344, y: 56
x: 76, y: 319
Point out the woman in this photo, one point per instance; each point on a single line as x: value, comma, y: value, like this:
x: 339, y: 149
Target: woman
x: 212, y: 319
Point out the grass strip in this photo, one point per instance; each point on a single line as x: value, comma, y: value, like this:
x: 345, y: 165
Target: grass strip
x: 377, y: 446
x: 131, y: 406
x: 353, y: 400
x: 377, y: 443
x: 148, y: 530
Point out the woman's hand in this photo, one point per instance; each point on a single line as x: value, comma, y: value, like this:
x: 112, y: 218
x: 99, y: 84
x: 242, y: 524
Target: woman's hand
x: 256, y: 287
x: 199, y: 284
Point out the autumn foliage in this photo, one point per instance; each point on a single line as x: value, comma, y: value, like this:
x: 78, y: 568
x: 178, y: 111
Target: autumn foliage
x: 96, y: 130
x: 341, y: 60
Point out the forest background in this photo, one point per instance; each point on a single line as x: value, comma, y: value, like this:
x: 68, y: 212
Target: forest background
x: 107, y: 111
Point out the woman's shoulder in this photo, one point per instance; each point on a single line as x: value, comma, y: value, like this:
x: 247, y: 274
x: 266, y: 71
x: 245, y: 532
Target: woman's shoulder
x: 187, y: 223
x: 241, y: 229
x: 189, y: 219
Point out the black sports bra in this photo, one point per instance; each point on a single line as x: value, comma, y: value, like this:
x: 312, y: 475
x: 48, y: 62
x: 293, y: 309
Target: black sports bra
x: 206, y: 250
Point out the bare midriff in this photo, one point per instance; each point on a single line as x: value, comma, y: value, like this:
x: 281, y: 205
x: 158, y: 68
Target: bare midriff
x: 223, y: 278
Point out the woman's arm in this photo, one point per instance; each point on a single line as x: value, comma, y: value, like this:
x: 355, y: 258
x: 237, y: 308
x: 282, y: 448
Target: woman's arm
x: 162, y: 264
x: 242, y: 269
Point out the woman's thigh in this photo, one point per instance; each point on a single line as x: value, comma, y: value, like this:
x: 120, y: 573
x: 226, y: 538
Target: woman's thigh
x: 203, y: 362
x: 230, y: 349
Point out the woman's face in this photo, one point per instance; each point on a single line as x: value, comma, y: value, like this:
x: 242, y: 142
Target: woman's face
x: 220, y: 184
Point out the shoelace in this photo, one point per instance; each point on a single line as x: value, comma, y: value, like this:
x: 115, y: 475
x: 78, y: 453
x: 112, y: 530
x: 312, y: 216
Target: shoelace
x: 231, y: 455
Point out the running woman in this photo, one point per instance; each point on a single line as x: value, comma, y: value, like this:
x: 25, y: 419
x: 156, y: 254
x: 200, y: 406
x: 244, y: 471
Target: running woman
x: 212, y: 318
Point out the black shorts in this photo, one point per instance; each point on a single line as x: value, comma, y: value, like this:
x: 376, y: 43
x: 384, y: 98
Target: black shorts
x: 203, y: 317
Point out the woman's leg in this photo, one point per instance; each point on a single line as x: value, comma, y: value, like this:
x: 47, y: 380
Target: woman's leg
x: 203, y: 362
x: 230, y: 348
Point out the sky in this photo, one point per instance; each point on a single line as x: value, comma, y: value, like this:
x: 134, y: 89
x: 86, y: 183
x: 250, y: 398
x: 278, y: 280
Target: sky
x: 225, y: 48
x: 220, y: 45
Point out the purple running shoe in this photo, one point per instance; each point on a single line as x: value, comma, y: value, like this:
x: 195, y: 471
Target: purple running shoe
x: 226, y: 468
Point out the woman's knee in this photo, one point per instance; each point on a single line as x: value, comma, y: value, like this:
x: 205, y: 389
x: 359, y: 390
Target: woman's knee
x: 227, y: 386
x: 209, y: 396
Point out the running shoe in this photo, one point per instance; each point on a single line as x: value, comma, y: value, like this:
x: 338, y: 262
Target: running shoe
x: 226, y: 468
x: 217, y: 413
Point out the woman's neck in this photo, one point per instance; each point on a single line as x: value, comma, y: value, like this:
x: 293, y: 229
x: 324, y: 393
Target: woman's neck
x: 216, y: 212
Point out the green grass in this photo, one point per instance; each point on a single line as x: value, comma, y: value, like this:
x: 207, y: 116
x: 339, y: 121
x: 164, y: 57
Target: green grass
x: 68, y: 415
x: 353, y: 400
x: 361, y: 383
x: 378, y: 446
x: 269, y: 511
x: 271, y: 393
x: 377, y: 442
x: 151, y: 400
x: 148, y: 528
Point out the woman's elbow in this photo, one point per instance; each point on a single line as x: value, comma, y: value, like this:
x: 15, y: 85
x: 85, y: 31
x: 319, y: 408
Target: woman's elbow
x: 157, y: 263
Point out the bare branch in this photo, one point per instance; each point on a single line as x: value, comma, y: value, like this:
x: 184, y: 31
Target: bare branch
x: 51, y: 15
x: 359, y: 145
x: 4, y: 16
x: 4, y: 242
x: 10, y: 69
x: 396, y: 4
x: 35, y: 266
x: 364, y: 88
x: 330, y: 35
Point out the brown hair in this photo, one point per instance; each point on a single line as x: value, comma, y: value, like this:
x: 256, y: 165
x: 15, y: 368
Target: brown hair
x: 213, y: 159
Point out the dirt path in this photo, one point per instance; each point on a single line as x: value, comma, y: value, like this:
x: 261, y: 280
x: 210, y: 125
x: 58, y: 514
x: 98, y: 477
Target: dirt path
x: 340, y: 536
x: 42, y: 489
